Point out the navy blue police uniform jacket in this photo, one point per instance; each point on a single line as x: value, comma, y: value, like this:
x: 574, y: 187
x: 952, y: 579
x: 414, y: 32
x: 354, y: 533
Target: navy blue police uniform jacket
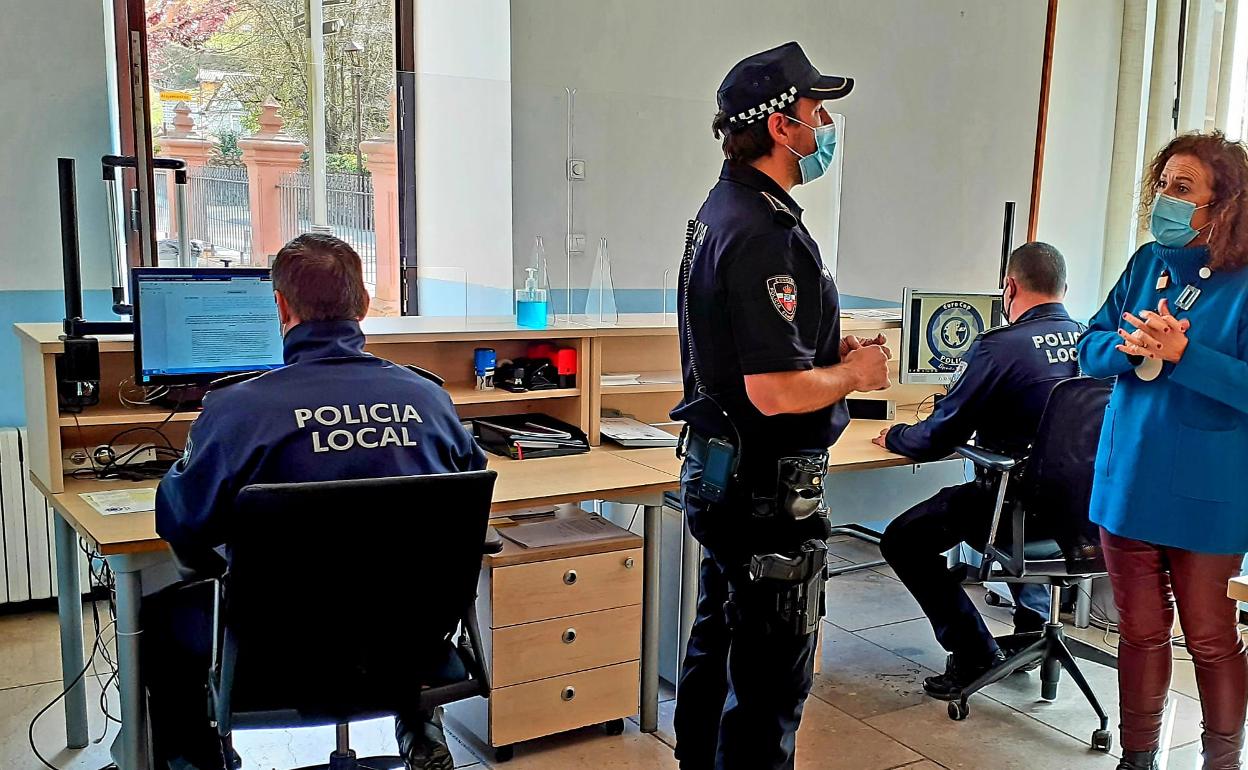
x: 333, y: 412
x: 1001, y: 388
x: 755, y: 298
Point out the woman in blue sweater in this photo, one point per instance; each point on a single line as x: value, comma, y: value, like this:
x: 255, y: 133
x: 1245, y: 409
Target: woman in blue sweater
x: 1170, y: 493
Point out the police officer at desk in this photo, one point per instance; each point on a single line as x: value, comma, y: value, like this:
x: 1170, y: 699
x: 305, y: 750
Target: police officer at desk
x: 998, y: 396
x: 287, y: 425
x: 766, y: 374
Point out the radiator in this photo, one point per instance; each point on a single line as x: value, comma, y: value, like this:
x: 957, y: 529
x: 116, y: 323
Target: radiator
x: 27, y: 556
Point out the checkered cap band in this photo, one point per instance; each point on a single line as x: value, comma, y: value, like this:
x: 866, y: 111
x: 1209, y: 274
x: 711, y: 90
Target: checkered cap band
x: 765, y: 109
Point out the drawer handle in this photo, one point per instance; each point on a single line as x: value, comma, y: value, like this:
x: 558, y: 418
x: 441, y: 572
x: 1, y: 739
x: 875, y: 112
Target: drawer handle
x: 569, y: 636
x: 568, y: 693
x: 569, y: 577
x: 628, y: 563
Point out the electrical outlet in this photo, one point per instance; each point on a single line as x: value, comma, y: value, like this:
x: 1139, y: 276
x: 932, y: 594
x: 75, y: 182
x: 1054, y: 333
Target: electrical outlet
x: 76, y: 458
x: 576, y: 243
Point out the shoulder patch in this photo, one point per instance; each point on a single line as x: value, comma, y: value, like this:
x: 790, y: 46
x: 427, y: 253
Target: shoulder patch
x: 957, y: 373
x: 780, y: 213
x: 783, y: 293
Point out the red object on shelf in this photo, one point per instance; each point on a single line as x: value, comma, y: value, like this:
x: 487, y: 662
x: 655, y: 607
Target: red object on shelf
x: 565, y: 361
x: 540, y: 350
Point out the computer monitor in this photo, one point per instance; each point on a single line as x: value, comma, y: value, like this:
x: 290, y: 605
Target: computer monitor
x: 195, y: 325
x: 937, y: 328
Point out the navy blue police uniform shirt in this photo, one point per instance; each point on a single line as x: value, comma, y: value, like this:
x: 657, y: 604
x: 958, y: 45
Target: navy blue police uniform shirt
x: 756, y: 298
x: 333, y: 412
x: 1001, y: 388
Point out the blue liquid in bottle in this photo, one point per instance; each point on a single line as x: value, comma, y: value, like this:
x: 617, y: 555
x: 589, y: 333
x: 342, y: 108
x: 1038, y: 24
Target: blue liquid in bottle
x: 531, y: 314
x: 531, y: 303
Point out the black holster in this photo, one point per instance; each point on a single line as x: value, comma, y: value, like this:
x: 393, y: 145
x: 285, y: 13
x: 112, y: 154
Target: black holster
x: 791, y: 588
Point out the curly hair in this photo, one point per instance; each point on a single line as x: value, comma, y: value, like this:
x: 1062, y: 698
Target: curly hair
x: 1228, y: 236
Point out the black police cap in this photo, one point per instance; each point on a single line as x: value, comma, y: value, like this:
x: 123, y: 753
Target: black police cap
x: 772, y: 80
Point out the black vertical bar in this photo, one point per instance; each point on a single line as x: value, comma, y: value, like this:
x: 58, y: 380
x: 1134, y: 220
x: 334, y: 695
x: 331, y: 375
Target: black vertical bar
x: 72, y: 268
x: 405, y: 133
x: 1007, y: 241
x: 136, y: 20
x: 1178, y: 74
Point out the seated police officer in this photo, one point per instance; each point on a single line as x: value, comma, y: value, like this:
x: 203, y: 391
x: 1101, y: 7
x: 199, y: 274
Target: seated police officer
x: 998, y: 396
x: 270, y: 429
x: 766, y: 374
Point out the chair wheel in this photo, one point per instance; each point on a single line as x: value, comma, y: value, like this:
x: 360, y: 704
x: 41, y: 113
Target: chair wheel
x: 1102, y: 740
x: 958, y: 710
x: 504, y: 753
x: 992, y: 599
x: 614, y: 727
x: 1048, y: 691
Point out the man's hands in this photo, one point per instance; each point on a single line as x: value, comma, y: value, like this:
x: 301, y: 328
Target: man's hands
x: 882, y: 439
x: 1156, y: 335
x: 868, y: 362
x: 853, y: 343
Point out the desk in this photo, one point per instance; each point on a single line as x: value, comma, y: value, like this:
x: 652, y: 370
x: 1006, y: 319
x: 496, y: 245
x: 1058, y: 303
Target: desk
x: 1237, y: 589
x: 129, y: 543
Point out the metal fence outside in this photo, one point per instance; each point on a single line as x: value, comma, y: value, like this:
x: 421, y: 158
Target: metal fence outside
x: 218, y: 211
x: 349, y: 199
x: 219, y: 206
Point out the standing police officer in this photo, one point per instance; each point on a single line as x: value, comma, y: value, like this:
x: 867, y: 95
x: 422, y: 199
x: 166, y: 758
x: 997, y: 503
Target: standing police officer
x: 333, y: 412
x: 999, y: 394
x: 765, y: 377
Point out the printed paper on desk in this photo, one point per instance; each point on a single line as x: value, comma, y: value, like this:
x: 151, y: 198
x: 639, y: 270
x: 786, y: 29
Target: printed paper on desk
x: 121, y: 500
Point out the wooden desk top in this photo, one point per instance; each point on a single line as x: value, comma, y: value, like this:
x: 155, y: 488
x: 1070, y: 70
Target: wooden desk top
x: 406, y: 329
x: 1237, y: 589
x: 521, y: 484
x: 854, y: 451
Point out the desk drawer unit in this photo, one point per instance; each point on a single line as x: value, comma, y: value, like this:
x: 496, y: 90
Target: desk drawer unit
x: 563, y: 637
x: 560, y: 587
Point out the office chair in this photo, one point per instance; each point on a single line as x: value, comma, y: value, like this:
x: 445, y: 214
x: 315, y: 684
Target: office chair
x: 1054, y: 487
x: 342, y: 602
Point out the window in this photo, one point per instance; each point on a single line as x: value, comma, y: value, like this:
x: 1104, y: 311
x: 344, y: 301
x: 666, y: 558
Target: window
x: 282, y: 131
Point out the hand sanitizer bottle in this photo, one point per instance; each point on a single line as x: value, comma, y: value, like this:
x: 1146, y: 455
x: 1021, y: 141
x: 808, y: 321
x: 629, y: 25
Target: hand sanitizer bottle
x: 531, y: 303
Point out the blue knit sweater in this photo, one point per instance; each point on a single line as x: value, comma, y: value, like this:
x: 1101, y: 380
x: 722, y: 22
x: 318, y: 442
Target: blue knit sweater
x: 1172, y: 466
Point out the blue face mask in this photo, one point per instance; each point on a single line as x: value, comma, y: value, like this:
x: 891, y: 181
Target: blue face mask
x: 1171, y: 221
x: 813, y: 165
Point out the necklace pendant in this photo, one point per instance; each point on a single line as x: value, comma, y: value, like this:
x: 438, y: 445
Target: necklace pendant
x: 1163, y: 281
x: 1188, y: 298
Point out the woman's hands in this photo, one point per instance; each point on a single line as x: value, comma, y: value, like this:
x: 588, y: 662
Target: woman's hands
x: 1157, y: 335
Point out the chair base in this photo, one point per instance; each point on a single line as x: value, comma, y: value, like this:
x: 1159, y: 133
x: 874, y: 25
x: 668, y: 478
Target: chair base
x: 348, y: 761
x: 858, y: 533
x: 1050, y: 649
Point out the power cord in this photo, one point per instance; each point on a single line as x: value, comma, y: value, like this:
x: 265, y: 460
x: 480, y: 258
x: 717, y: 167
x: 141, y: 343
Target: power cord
x: 99, y: 647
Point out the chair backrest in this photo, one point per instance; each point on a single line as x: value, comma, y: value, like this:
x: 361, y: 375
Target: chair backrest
x: 341, y: 595
x: 1057, y: 482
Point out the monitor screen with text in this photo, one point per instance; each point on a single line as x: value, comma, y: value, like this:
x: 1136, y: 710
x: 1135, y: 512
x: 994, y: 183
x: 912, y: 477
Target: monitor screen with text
x: 196, y: 325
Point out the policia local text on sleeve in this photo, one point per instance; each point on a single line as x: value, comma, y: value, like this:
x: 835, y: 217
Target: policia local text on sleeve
x: 766, y: 374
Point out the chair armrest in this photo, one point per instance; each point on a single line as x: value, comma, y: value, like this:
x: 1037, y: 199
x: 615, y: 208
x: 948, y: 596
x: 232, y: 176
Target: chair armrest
x: 985, y: 459
x: 493, y: 541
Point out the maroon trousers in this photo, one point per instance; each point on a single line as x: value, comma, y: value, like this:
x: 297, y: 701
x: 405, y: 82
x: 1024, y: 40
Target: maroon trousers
x: 1148, y: 581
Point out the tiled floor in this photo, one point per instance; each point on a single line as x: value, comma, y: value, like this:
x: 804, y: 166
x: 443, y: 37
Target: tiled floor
x: 867, y: 710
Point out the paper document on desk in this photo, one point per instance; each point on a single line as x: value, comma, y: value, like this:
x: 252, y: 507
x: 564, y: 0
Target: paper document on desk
x: 121, y: 500
x: 563, y: 532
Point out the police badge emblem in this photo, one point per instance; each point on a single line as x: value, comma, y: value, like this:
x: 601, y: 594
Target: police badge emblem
x: 950, y: 332
x: 783, y: 293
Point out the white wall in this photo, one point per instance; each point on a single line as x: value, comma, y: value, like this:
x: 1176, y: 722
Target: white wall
x: 1079, y: 143
x: 940, y: 129
x: 464, y: 150
x: 56, y: 103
